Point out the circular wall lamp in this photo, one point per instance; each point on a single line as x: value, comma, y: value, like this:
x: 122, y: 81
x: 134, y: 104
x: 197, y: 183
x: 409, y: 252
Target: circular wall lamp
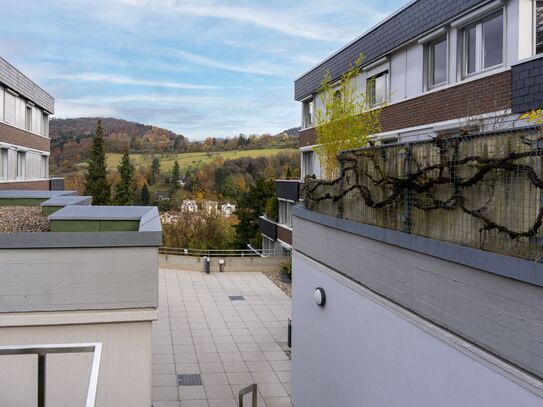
x: 320, y: 296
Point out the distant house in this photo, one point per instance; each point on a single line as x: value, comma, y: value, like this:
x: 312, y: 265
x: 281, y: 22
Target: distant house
x: 189, y: 205
x: 209, y: 206
x: 169, y: 217
x: 161, y: 196
x: 228, y: 209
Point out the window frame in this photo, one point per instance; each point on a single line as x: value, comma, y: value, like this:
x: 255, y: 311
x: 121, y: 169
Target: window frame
x: 28, y: 118
x: 430, y: 50
x: 372, y: 103
x: 307, y: 111
x: 20, y: 172
x: 3, y: 164
x: 479, y: 44
x: 284, y: 217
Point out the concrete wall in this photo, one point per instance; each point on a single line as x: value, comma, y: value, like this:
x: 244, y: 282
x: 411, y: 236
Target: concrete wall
x: 125, y: 368
x: 78, y: 279
x: 231, y: 263
x: 362, y: 350
x: 501, y: 315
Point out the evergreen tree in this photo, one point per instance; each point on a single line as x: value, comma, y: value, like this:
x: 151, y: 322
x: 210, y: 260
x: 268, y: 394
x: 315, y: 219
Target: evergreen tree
x: 175, y: 176
x: 124, y: 190
x: 289, y: 173
x: 96, y: 184
x: 250, y: 206
x: 155, y: 171
x: 145, y: 195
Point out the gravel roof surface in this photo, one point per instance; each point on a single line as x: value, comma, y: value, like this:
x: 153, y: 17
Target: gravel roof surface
x: 16, y: 219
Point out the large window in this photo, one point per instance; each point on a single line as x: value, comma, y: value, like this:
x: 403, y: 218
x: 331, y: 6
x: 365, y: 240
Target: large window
x: 483, y: 44
x: 45, y: 125
x: 9, y: 108
x: 3, y: 164
x: 44, y: 165
x: 308, y: 113
x: 21, y: 165
x: 437, y: 62
x: 307, y: 163
x: 539, y: 27
x: 377, y: 88
x: 285, y: 217
x: 28, y: 118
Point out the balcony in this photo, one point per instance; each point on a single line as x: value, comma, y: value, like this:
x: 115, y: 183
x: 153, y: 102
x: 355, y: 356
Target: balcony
x: 288, y: 189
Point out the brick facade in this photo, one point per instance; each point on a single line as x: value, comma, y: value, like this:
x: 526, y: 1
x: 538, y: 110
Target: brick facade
x: 23, y: 138
x: 30, y: 185
x: 471, y: 99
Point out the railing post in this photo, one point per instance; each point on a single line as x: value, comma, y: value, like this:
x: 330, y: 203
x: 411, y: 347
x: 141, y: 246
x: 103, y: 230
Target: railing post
x: 341, y: 188
x: 41, y: 379
x: 408, y: 192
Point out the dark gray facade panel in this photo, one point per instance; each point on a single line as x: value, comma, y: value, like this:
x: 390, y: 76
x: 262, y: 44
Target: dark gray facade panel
x: 268, y: 228
x: 527, y: 85
x: 287, y: 189
x: 15, y: 80
x: 413, y: 21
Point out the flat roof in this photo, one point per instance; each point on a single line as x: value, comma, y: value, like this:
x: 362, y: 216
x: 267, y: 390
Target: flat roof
x: 30, y: 194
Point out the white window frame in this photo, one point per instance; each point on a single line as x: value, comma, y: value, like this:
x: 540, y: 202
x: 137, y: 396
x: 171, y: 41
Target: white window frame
x: 285, y: 212
x: 308, y: 113
x: 311, y: 163
x: 3, y: 164
x: 386, y: 73
x: 44, y: 166
x: 479, y: 45
x: 430, y: 60
x: 28, y: 118
x: 14, y: 96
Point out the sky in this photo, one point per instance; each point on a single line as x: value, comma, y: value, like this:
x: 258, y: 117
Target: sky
x: 199, y: 68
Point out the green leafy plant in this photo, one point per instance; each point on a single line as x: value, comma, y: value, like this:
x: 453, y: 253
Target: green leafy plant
x: 346, y: 118
x: 286, y: 267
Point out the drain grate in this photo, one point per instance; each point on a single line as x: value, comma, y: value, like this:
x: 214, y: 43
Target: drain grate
x: 189, y: 380
x: 236, y: 297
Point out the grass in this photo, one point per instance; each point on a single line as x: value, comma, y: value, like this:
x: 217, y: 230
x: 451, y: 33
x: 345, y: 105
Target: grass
x: 190, y: 159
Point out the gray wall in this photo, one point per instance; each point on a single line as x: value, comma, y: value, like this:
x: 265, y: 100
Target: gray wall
x: 361, y: 350
x: 78, y: 279
x: 497, y: 313
x: 231, y: 263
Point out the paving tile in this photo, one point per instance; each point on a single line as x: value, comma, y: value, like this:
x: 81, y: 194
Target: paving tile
x: 163, y: 368
x: 272, y: 390
x: 226, y: 347
x: 229, y: 402
x: 240, y: 378
x: 230, y: 356
x: 164, y: 380
x: 264, y: 377
x: 248, y: 347
x: 212, y: 367
x: 191, y: 393
x: 161, y: 403
x: 276, y: 355
x: 279, y: 365
x: 210, y: 379
x: 223, y: 339
x: 193, y: 403
x: 185, y: 358
x: 284, y: 376
x: 208, y: 357
x: 259, y: 366
x: 235, y: 367
x: 219, y: 391
x: 277, y: 402
x: 165, y: 393
x: 187, y: 368
x: 253, y: 356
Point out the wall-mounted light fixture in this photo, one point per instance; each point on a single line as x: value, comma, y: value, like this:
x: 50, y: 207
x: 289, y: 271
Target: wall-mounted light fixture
x: 320, y: 296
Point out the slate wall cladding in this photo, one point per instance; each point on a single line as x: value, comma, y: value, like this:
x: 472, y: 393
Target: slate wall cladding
x: 489, y: 94
x: 23, y: 138
x: 14, y: 79
x: 527, y: 86
x: 413, y: 21
x: 287, y: 189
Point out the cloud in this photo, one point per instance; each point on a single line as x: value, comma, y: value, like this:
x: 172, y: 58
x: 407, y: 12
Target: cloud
x: 125, y: 80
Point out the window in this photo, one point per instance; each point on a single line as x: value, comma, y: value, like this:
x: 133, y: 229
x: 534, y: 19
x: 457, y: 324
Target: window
x: 376, y: 88
x: 45, y: 125
x: 539, y: 27
x: 307, y: 163
x: 44, y: 165
x: 308, y: 113
x: 483, y: 44
x: 21, y: 165
x: 28, y: 118
x: 285, y: 217
x: 437, y: 62
x: 3, y: 163
x: 9, y: 108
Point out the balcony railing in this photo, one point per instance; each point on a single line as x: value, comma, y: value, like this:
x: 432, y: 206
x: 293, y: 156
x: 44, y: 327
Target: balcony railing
x: 483, y: 191
x: 251, y: 252
x: 268, y: 228
x: 288, y: 189
x: 43, y: 350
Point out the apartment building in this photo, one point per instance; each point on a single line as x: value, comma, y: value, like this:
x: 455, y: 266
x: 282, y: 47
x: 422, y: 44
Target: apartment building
x: 428, y: 294
x: 24, y: 131
x: 439, y: 65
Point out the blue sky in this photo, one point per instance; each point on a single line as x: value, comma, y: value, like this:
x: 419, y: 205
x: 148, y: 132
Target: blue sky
x: 200, y: 68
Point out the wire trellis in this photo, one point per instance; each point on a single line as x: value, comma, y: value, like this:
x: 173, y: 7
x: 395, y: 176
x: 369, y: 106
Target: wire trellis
x: 483, y: 191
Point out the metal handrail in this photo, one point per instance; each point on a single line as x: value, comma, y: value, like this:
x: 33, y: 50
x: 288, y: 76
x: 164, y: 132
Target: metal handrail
x: 179, y: 251
x: 43, y: 350
x: 252, y: 388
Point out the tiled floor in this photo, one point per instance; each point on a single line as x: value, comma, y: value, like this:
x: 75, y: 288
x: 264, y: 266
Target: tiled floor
x: 230, y: 343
